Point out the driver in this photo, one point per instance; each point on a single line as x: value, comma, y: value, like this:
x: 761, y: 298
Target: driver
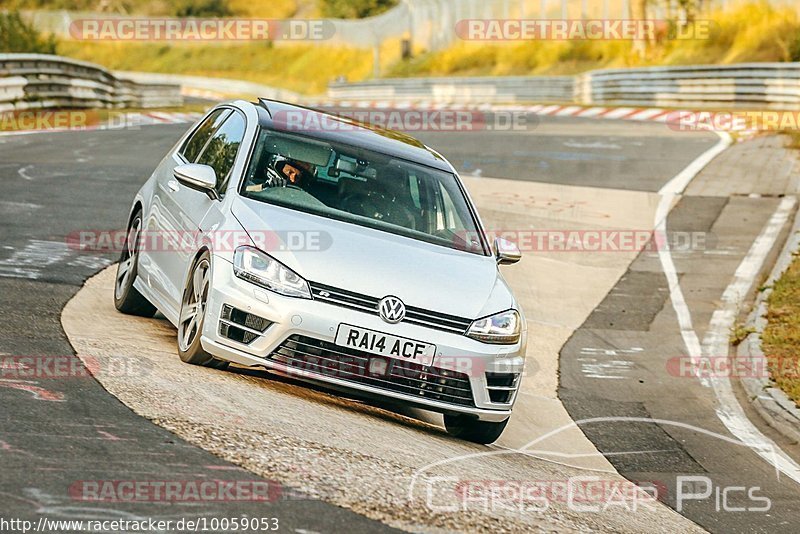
x: 284, y: 172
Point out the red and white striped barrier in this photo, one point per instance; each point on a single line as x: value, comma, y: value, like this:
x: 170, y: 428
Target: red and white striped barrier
x: 680, y: 120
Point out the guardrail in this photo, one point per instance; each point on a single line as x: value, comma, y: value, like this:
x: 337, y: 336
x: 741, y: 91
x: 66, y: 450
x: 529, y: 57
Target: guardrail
x: 459, y: 90
x: 754, y: 85
x: 748, y: 85
x: 211, y: 88
x: 45, y: 81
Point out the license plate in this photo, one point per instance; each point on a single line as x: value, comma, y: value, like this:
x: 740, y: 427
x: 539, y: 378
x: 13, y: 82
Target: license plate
x: 385, y: 344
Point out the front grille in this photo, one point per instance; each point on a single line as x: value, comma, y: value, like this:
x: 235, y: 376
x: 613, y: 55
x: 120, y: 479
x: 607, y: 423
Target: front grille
x: 367, y: 304
x: 241, y: 326
x: 324, y: 358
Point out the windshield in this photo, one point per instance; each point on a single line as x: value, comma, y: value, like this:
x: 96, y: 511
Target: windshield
x: 361, y: 187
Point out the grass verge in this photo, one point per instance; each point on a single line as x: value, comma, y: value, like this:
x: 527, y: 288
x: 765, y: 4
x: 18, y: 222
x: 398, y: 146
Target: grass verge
x: 781, y: 337
x: 302, y: 68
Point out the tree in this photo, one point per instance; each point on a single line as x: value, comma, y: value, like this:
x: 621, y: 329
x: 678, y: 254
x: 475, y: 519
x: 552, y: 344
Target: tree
x: 638, y: 9
x: 354, y: 9
x: 17, y: 35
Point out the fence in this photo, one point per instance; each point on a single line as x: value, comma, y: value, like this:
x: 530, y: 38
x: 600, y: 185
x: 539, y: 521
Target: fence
x: 45, y: 81
x: 212, y: 88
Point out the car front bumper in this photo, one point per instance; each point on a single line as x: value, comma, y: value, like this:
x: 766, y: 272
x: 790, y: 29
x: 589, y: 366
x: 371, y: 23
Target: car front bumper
x: 493, y: 372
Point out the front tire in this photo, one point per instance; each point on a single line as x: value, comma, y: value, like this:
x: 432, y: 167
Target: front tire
x: 194, y: 305
x: 474, y: 430
x: 127, y: 298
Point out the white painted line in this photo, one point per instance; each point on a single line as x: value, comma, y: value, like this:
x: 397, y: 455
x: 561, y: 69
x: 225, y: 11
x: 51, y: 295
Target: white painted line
x: 535, y: 109
x: 677, y: 184
x: 669, y: 193
x: 716, y: 343
x: 23, y: 172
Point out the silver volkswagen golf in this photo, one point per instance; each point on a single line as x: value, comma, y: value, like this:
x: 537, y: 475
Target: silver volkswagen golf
x: 282, y: 237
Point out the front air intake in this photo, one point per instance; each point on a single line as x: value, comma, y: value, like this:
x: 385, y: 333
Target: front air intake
x: 241, y: 326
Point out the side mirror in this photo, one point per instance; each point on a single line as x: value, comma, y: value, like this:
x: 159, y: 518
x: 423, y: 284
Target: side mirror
x: 506, y: 252
x: 198, y: 177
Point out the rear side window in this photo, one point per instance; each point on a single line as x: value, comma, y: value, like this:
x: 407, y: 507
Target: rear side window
x: 220, y: 151
x: 194, y: 145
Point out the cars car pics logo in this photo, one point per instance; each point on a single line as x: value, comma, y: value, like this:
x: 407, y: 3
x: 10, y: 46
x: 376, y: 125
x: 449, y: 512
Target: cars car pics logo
x: 391, y: 309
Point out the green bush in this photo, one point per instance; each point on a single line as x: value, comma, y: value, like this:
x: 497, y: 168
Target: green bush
x: 794, y: 49
x: 202, y: 8
x: 17, y: 35
x: 354, y: 9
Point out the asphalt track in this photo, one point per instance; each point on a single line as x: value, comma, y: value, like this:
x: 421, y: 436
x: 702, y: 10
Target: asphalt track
x: 627, y: 367
x: 56, y: 183
x: 631, y: 155
x: 58, y: 432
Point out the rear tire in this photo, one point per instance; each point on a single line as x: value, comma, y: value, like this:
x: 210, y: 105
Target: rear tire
x: 474, y: 430
x: 193, y: 314
x: 127, y: 298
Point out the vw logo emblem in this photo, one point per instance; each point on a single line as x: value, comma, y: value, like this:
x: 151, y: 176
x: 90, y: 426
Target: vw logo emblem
x: 391, y: 309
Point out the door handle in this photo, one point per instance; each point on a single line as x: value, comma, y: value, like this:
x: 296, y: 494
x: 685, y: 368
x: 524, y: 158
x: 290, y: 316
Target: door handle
x: 173, y: 186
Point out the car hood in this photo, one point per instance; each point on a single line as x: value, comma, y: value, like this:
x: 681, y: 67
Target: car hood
x: 376, y: 263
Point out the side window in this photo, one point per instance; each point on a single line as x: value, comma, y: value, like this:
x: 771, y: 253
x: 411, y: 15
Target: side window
x: 221, y: 149
x: 194, y: 145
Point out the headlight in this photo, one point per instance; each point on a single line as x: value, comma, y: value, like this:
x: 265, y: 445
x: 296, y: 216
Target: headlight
x: 502, y: 328
x: 254, y: 266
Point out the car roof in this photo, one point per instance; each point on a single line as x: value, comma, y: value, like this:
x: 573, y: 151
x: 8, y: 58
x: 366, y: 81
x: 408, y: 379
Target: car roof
x: 298, y: 120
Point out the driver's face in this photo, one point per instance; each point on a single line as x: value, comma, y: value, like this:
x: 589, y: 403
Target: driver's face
x: 292, y: 173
